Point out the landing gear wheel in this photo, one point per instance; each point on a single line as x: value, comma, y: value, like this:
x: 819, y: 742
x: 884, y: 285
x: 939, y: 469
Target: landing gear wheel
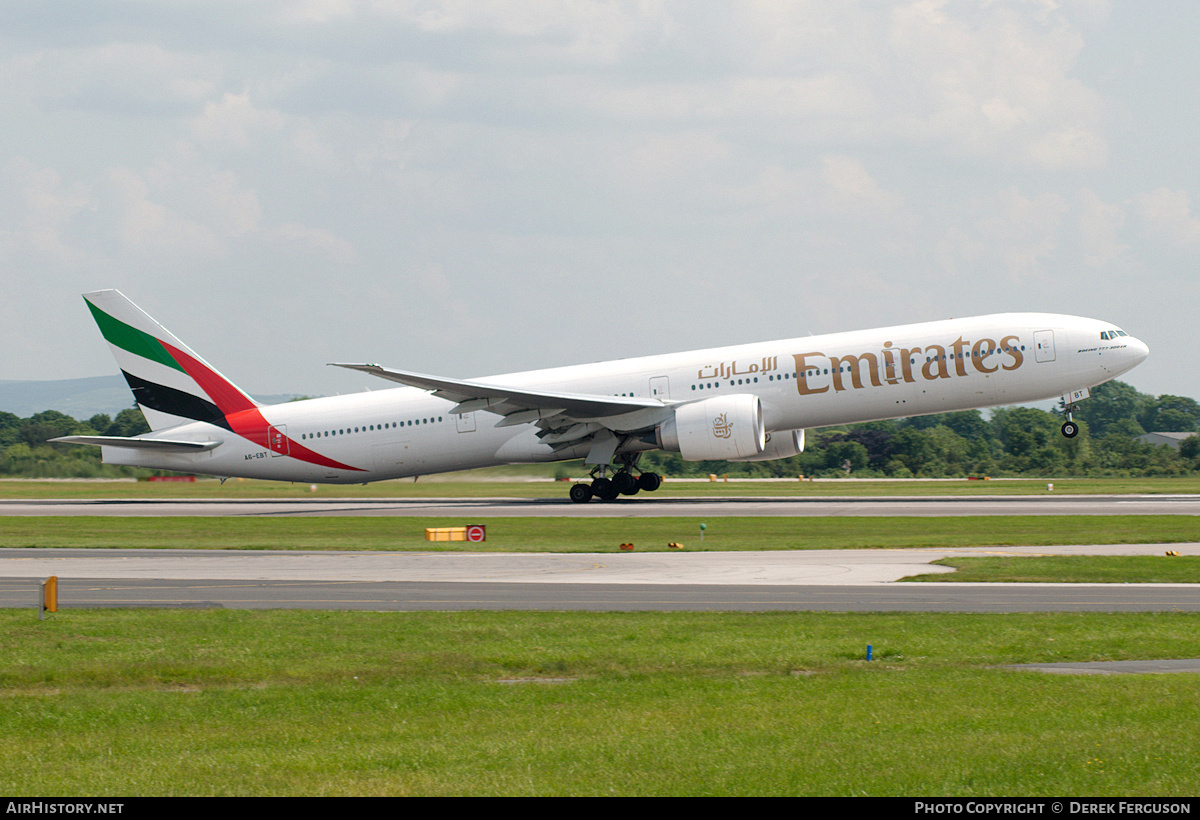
x: 649, y: 481
x: 603, y: 489
x: 625, y: 483
x: 581, y: 493
x: 1070, y: 429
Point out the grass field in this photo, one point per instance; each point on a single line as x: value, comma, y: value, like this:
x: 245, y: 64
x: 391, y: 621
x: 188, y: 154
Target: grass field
x: 592, y: 534
x: 287, y: 703
x: 210, y: 702
x: 1070, y: 569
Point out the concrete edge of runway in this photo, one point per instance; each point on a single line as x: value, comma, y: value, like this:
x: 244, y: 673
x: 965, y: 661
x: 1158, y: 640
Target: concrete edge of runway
x: 822, y: 567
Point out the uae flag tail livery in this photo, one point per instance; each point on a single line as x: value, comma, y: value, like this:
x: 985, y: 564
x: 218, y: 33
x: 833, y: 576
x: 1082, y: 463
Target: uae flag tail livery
x: 171, y: 384
x: 175, y: 388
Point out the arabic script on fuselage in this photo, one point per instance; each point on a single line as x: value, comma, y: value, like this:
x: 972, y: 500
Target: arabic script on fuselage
x: 727, y: 370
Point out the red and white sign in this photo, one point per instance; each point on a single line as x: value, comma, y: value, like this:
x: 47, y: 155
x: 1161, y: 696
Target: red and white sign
x: 476, y: 532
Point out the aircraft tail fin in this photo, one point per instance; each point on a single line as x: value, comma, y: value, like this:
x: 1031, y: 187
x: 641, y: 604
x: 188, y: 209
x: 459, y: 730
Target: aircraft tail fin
x: 171, y: 384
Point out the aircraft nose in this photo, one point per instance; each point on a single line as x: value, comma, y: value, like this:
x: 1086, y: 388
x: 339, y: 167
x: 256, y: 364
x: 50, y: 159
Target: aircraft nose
x: 1138, y: 350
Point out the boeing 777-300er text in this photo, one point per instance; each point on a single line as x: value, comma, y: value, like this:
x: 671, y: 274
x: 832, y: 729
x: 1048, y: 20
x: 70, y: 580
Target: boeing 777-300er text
x: 749, y: 402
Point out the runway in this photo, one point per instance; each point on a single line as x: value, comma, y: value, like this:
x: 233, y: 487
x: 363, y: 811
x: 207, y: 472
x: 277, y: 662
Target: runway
x: 829, y: 580
x: 842, y: 580
x: 642, y: 506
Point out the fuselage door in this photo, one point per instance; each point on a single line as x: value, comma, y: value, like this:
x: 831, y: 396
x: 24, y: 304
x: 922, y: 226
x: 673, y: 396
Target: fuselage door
x: 1043, y: 342
x: 465, y: 422
x: 659, y: 388
x: 277, y: 440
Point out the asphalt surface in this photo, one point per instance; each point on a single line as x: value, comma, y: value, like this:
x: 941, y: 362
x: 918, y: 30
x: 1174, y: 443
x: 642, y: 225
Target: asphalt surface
x: 644, y: 505
x: 392, y: 596
x: 817, y: 580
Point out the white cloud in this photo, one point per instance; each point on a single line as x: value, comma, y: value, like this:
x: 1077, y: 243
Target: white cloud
x: 39, y: 211
x: 852, y: 190
x: 117, y: 77
x: 995, y: 82
x: 236, y: 122
x: 1068, y: 148
x: 1099, y: 226
x: 1166, y: 216
x: 660, y: 157
x: 149, y: 227
x: 304, y: 241
x: 1008, y: 233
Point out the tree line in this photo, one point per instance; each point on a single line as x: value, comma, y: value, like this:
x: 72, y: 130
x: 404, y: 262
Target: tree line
x: 1010, y: 441
x: 25, y: 449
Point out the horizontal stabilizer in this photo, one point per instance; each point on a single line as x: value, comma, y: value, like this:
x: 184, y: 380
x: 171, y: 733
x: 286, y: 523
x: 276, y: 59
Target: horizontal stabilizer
x: 160, y: 444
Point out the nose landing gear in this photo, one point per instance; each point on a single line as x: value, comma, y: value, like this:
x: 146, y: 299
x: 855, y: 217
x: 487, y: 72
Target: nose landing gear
x: 1069, y: 428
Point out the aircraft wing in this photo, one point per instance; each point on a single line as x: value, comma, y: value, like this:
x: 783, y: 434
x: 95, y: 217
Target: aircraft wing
x: 504, y: 400
x: 565, y: 419
x: 164, y: 445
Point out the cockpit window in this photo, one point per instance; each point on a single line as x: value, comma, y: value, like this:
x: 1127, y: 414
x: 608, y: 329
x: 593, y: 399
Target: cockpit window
x: 1108, y: 335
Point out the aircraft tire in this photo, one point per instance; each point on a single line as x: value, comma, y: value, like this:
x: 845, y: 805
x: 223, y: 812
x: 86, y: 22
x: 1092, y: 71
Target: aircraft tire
x: 581, y: 493
x: 649, y: 481
x: 1070, y: 429
x: 603, y: 489
x: 625, y: 483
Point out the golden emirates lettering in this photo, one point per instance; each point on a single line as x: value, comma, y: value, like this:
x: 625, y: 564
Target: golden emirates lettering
x: 855, y: 371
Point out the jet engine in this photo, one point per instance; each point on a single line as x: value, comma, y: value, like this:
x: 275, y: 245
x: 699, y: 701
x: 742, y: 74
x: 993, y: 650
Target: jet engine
x: 723, y: 428
x: 783, y: 444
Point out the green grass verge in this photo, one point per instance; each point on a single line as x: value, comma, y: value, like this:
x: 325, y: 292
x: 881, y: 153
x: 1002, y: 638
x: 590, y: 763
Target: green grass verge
x: 503, y: 482
x: 592, y: 534
x: 128, y: 703
x: 1071, y: 569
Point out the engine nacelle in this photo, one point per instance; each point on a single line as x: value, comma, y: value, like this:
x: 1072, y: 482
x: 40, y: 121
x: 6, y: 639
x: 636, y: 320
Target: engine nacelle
x: 725, y: 428
x: 783, y: 444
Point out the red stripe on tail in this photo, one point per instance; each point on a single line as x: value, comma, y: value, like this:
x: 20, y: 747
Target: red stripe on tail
x: 241, y: 413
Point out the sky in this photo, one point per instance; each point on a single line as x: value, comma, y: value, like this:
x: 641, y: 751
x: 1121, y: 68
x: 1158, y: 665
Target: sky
x: 467, y: 188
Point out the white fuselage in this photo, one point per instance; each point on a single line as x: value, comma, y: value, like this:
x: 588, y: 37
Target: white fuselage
x: 813, y: 381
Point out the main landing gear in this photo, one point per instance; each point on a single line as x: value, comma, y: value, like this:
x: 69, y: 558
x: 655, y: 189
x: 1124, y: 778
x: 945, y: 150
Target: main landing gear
x: 623, y: 482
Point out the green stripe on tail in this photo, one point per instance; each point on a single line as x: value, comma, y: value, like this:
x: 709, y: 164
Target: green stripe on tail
x: 131, y: 339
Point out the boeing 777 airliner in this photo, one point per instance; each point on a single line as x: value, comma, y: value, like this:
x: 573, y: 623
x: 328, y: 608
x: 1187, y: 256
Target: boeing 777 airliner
x: 745, y: 403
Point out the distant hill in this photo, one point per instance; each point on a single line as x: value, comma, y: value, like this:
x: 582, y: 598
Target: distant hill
x: 78, y: 398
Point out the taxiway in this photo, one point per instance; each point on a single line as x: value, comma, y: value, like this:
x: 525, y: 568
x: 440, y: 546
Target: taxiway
x: 842, y: 580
